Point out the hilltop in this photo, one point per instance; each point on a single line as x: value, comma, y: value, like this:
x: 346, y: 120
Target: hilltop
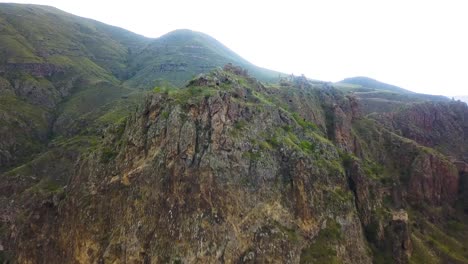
x: 371, y: 84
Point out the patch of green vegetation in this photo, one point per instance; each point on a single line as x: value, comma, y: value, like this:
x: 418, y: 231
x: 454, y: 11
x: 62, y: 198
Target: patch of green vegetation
x: 293, y: 137
x: 92, y: 96
x: 26, y: 124
x: 330, y: 166
x: 456, y: 226
x: 190, y: 94
x: 240, y: 124
x: 341, y: 196
x: 304, y: 123
x: 291, y: 233
x: 365, y: 128
x: 306, y: 146
x: 81, y: 142
x: 375, y: 171
x: 251, y: 155
x: 358, y: 82
x: 115, y: 116
x: 23, y: 110
x: 17, y: 50
x: 108, y: 154
x: 162, y: 89
x: 116, y: 111
x: 322, y: 250
x: 445, y: 244
x: 262, y: 98
x: 165, y: 114
x: 287, y: 128
x: 46, y: 186
x: 422, y: 254
x: 347, y: 158
x: 264, y: 145
x: 273, y: 141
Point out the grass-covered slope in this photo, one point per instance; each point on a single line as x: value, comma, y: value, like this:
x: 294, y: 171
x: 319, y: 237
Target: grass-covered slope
x: 42, y: 34
x: 181, y: 55
x: 70, y: 71
x: 49, y: 61
x: 365, y: 82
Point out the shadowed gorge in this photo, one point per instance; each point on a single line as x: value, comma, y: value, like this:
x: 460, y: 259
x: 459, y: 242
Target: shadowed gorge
x: 116, y: 148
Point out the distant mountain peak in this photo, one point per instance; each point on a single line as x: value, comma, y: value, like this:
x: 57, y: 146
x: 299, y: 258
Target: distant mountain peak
x: 367, y: 82
x: 182, y: 33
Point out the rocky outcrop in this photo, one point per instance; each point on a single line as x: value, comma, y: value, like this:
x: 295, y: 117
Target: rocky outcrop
x: 386, y: 229
x: 400, y: 237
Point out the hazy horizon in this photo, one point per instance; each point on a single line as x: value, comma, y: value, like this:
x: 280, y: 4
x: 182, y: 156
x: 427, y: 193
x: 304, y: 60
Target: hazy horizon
x: 419, y: 46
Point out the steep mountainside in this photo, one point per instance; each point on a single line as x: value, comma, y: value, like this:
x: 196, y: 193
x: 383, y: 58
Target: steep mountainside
x: 50, y: 60
x: 105, y: 157
x: 182, y: 54
x: 60, y: 73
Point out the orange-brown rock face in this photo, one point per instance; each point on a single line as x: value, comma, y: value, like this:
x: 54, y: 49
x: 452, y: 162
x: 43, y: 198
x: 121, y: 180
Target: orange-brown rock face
x: 433, y: 180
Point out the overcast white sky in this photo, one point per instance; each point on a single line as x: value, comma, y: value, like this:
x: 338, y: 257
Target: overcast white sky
x: 418, y: 45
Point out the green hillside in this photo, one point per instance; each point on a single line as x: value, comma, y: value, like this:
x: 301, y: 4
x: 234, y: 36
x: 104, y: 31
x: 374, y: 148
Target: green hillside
x: 69, y: 71
x: 369, y: 83
x: 180, y: 55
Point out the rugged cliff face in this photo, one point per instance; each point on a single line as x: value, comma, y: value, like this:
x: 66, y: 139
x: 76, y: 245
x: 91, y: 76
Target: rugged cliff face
x: 443, y: 126
x: 229, y: 170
